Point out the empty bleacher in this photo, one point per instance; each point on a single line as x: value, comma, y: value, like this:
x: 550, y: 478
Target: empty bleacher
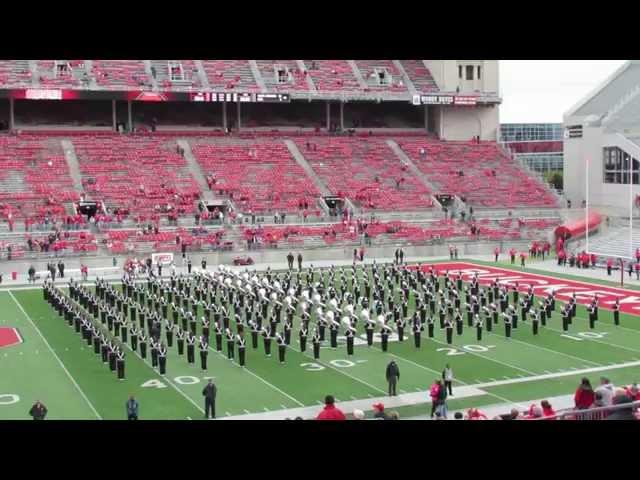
x: 137, y: 176
x: 617, y: 242
x: 366, y: 171
x: 259, y: 175
x: 489, y: 177
x: 296, y: 79
x: 368, y: 70
x: 419, y: 75
x: 120, y: 74
x: 230, y: 75
x: 332, y: 75
x: 34, y: 178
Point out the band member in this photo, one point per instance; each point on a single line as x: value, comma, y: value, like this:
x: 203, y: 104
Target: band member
x: 193, y: 322
x: 384, y: 335
x: 507, y: 324
x: 191, y: 348
x: 448, y: 326
x: 459, y: 323
x: 369, y: 327
x: 479, y: 323
x: 120, y: 364
x: 616, y: 312
x: 417, y: 328
x: 143, y: 345
x: 400, y: 324
x: 204, y: 351
x: 104, y: 349
x: 241, y: 349
x: 333, y: 333
x: 350, y: 334
x: 303, y: 339
x: 287, y: 332
x: 282, y: 347
x: 180, y: 339
x: 205, y: 327
x: 154, y: 352
x: 96, y: 340
x: 316, y: 344
x: 430, y: 326
x: 230, y: 344
x: 566, y: 317
x: 255, y: 331
x: 266, y: 338
x: 162, y: 359
x: 592, y: 315
x: 535, y: 320
x: 218, y: 333
x: 112, y: 357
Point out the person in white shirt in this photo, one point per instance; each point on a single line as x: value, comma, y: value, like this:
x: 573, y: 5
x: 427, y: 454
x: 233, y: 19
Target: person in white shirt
x: 607, y: 390
x: 447, y: 376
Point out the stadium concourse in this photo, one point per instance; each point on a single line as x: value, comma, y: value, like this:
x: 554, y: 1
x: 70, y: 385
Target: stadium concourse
x: 493, y: 374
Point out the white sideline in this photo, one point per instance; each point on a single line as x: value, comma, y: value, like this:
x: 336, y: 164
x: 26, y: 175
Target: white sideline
x: 93, y: 409
x: 423, y: 396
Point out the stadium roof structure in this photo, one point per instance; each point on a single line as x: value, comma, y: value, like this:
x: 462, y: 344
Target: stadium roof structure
x: 610, y: 95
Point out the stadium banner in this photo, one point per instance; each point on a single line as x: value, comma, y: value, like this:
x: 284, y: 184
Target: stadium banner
x: 465, y: 100
x: 164, y: 258
x: 542, y: 284
x: 143, y: 96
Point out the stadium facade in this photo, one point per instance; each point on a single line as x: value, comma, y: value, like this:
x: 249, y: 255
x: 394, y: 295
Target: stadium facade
x: 603, y: 131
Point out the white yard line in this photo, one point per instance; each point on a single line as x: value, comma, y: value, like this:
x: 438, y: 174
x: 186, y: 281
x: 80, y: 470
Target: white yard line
x: 93, y: 409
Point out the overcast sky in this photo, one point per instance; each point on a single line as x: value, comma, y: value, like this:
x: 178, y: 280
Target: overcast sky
x: 540, y: 91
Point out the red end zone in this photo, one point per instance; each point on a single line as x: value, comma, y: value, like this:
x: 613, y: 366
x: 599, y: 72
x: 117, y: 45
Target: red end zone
x: 543, y: 284
x: 9, y: 336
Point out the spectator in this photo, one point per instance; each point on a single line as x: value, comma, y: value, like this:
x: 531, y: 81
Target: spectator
x: 584, y: 395
x: 38, y: 411
x: 514, y: 414
x: 434, y: 392
x: 547, y: 409
x: 534, y: 412
x: 633, y: 392
x: 132, y: 408
x: 626, y: 413
x: 475, y: 414
x: 358, y: 415
x: 330, y: 411
x: 378, y: 411
x: 606, y: 389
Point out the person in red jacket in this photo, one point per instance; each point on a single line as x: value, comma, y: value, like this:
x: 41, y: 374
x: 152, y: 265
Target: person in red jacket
x: 475, y: 414
x: 609, y: 265
x: 547, y: 409
x: 584, y: 396
x: 594, y: 258
x: 330, y: 411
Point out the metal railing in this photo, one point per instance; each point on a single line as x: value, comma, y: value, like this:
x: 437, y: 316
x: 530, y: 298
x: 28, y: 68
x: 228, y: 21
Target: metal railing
x: 599, y: 413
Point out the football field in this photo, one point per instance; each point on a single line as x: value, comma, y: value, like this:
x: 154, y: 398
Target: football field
x: 42, y: 358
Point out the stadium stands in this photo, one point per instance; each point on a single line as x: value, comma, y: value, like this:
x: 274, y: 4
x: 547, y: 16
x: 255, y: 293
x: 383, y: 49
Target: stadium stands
x: 481, y: 174
x: 368, y: 68
x: 419, y: 75
x: 260, y: 175
x: 15, y: 73
x: 230, y: 75
x: 367, y: 172
x: 139, y: 176
x: 332, y: 75
x: 117, y: 74
x: 71, y: 74
x: 295, y: 79
x: 34, y: 179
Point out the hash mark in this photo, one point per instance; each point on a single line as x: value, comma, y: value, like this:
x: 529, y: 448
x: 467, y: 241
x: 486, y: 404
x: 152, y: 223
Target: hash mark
x: 492, y: 379
x: 547, y: 371
x: 266, y: 409
x: 246, y: 411
x: 228, y: 414
x: 283, y: 406
x: 505, y: 377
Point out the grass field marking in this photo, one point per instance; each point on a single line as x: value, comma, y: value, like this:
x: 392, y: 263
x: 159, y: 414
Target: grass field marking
x: 328, y: 364
x: 568, y: 373
x: 262, y: 380
x: 422, y: 366
x: 84, y: 396
x: 487, y: 358
x: 549, y: 349
x: 246, y: 411
x: 600, y: 341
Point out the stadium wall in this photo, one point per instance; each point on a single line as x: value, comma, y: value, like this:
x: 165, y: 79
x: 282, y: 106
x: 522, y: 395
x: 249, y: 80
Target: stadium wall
x: 463, y: 123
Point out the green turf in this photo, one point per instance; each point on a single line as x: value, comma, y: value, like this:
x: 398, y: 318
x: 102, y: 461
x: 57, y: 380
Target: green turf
x: 266, y: 385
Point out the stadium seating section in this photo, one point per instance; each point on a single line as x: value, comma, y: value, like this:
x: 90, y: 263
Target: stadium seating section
x: 260, y: 176
x: 366, y: 171
x: 230, y: 75
x: 136, y: 176
x: 489, y: 178
x: 332, y: 75
x: 419, y: 75
x: 117, y: 74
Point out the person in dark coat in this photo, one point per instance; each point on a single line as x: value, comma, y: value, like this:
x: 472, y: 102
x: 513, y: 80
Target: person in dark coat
x: 209, y: 392
x: 132, y: 408
x: 300, y: 262
x: 393, y: 375
x: 38, y: 411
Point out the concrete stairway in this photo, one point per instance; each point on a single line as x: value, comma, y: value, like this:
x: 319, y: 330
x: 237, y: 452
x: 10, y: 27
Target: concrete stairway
x: 202, y: 75
x: 293, y: 148
x: 357, y: 73
x: 412, y: 166
x: 72, y: 162
x: 152, y: 79
x: 196, y: 171
x: 311, y: 85
x: 256, y: 73
x: 405, y: 78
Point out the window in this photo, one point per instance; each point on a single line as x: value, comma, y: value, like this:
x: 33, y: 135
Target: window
x: 616, y: 163
x: 469, y: 75
x: 479, y: 71
x: 460, y: 71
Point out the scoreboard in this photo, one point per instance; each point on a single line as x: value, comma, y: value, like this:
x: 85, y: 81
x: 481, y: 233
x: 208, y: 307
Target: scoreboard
x: 236, y: 97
